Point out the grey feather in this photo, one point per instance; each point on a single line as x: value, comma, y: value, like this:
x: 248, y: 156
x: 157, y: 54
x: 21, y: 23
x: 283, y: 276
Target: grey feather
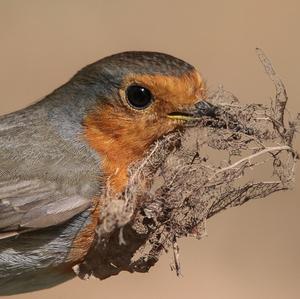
x: 36, y: 204
x: 48, y: 176
x: 32, y: 261
x: 45, y: 177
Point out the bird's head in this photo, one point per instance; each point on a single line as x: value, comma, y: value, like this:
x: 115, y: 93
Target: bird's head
x: 141, y: 96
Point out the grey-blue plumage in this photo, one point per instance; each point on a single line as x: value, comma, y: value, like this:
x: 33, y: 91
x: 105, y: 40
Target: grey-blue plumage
x: 46, y: 179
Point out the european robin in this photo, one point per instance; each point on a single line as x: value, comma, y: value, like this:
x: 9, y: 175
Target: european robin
x: 58, y: 155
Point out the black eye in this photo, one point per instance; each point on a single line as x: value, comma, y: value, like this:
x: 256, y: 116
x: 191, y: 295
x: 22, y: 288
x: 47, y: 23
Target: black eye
x: 138, y: 97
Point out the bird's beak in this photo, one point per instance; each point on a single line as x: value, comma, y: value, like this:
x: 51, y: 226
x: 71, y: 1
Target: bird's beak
x: 200, y: 110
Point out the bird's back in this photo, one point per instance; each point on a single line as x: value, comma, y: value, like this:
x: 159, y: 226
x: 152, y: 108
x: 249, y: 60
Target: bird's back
x: 46, y: 189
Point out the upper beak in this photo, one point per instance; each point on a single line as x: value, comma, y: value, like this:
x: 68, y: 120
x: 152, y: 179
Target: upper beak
x: 206, y: 109
x: 200, y: 110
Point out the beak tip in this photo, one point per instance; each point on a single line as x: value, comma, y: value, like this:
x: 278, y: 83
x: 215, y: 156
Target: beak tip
x: 205, y: 108
x: 201, y: 109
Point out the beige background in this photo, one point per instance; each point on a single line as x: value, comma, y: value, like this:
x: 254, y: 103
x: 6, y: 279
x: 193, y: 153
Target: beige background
x: 250, y: 252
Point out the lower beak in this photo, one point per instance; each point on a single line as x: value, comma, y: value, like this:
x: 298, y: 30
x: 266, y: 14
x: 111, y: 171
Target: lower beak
x: 200, y: 110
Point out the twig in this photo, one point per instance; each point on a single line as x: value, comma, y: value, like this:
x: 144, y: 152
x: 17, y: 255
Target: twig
x: 176, y: 257
x: 281, y: 94
x: 248, y: 158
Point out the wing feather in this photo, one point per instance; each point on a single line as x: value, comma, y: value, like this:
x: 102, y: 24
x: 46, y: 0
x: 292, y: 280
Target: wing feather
x: 45, y: 179
x: 36, y: 204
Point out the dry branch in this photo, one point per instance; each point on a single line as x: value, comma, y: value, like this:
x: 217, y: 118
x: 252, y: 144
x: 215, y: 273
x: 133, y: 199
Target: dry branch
x: 239, y: 154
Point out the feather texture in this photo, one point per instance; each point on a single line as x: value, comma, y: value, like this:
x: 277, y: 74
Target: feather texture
x: 36, y: 204
x: 47, y: 183
x: 44, y: 179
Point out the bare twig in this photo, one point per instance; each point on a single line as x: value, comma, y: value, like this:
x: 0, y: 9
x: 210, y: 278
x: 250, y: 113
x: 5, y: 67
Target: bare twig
x: 251, y: 157
x: 176, y: 257
x: 281, y: 94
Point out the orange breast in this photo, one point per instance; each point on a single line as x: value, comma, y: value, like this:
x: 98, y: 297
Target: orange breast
x: 118, y: 142
x: 83, y: 240
x: 122, y: 135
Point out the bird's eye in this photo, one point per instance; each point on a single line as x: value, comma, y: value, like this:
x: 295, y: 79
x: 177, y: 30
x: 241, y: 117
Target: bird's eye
x: 138, y: 97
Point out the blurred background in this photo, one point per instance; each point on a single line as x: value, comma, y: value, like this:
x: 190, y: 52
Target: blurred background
x: 251, y: 251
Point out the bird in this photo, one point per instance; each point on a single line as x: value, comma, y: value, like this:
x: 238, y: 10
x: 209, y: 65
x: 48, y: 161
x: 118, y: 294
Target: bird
x: 58, y: 155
